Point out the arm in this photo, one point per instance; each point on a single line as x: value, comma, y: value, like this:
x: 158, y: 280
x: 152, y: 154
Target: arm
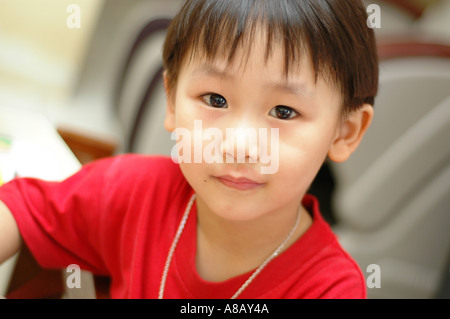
x: 10, y: 239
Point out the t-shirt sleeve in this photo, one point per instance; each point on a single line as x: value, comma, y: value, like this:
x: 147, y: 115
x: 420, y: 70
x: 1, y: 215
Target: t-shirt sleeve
x: 85, y: 219
x: 59, y: 220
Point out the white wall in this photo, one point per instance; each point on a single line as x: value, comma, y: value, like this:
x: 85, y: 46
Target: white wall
x: 39, y: 54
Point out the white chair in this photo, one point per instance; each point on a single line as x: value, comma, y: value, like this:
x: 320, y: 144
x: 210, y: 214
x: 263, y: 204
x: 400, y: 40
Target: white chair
x: 397, y: 16
x: 435, y: 22
x: 392, y: 196
x: 139, y: 97
x: 120, y: 89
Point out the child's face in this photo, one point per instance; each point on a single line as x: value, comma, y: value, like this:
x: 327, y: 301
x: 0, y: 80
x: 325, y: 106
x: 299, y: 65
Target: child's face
x: 256, y: 95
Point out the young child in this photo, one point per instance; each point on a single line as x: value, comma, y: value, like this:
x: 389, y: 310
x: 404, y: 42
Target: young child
x: 304, y: 70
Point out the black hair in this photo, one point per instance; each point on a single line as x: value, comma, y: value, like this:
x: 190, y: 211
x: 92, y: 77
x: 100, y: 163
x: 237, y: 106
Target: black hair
x: 334, y: 33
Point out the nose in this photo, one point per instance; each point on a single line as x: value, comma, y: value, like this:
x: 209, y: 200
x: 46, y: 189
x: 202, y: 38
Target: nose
x: 240, y: 145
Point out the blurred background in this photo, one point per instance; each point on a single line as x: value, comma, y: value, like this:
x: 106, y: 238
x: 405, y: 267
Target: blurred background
x: 93, y: 68
x: 41, y: 57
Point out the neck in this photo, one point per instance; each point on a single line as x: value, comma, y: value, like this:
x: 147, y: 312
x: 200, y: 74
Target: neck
x: 227, y: 248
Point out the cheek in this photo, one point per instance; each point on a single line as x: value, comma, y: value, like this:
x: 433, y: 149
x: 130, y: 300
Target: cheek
x: 194, y: 174
x: 184, y: 118
x: 298, y: 167
x: 306, y: 141
x: 303, y: 152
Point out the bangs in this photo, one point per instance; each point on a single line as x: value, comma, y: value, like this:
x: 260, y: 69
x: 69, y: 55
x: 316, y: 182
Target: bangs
x: 334, y: 40
x: 216, y: 29
x: 226, y: 27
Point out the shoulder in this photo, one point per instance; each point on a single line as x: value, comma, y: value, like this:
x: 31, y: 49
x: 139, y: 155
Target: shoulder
x: 135, y: 164
x: 140, y: 175
x: 333, y: 273
x: 134, y: 168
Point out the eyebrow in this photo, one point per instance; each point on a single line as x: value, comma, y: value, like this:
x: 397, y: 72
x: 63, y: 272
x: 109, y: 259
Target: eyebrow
x: 301, y: 88
x: 293, y: 88
x: 208, y: 70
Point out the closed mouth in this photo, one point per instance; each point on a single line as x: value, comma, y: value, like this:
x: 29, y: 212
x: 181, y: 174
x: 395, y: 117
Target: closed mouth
x: 239, y: 183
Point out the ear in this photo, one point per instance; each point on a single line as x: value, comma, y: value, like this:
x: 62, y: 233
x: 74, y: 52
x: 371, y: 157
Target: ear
x: 351, y: 132
x: 169, y: 121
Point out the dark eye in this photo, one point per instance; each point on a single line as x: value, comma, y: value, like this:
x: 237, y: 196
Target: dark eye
x: 283, y: 112
x: 215, y: 100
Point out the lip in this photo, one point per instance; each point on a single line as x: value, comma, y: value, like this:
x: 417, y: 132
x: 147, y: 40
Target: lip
x: 239, y: 183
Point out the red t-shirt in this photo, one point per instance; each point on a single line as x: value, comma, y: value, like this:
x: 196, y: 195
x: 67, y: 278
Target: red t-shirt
x: 119, y: 216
